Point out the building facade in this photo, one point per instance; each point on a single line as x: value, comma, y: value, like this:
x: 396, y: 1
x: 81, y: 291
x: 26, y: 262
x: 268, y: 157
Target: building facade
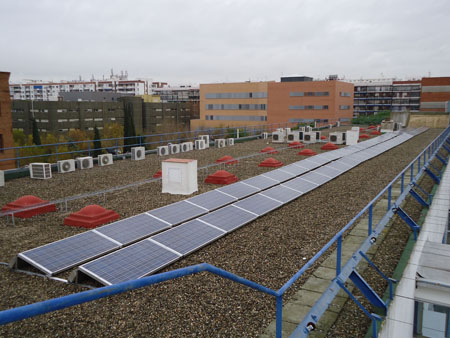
x: 294, y: 99
x: 6, y: 132
x: 435, y: 93
x: 62, y: 116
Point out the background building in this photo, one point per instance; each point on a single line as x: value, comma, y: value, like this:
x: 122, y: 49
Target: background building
x: 435, y: 92
x: 6, y: 133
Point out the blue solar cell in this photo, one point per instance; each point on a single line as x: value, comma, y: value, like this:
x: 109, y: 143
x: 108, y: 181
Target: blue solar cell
x: 133, y: 262
x: 295, y: 169
x: 61, y: 255
x: 178, y: 212
x: 316, y: 178
x: 307, y: 164
x: 239, y: 190
x: 261, y: 182
x: 134, y: 228
x: 188, y: 237
x: 319, y: 160
x: 228, y: 218
x: 282, y: 193
x: 258, y: 204
x: 279, y: 175
x: 301, y: 185
x: 212, y: 200
x: 328, y: 171
x: 340, y: 166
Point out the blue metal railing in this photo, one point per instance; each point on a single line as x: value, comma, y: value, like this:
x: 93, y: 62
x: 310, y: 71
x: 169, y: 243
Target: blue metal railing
x: 19, y: 313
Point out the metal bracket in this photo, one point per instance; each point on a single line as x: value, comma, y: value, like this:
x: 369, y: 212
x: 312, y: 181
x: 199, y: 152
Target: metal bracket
x: 409, y: 221
x: 374, y: 317
x: 434, y: 168
x: 419, y: 198
x: 446, y: 148
x: 391, y: 281
x: 432, y: 175
x: 444, y: 162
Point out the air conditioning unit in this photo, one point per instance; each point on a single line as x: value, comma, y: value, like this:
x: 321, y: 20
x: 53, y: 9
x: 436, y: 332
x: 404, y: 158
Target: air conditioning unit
x: 265, y: 136
x: 338, y: 124
x: 356, y: 128
x: 301, y: 133
x: 40, y: 171
x: 204, y: 138
x: 163, y: 150
x: 344, y: 136
x: 318, y: 135
x: 200, y: 144
x: 336, y: 138
x: 287, y: 130
x: 230, y: 141
x: 350, y: 137
x: 303, y: 129
x: 174, y: 148
x: 105, y: 159
x: 397, y: 126
x: 186, y: 146
x: 138, y: 153
x: 278, y: 137
x: 220, y: 143
x: 293, y: 136
x: 65, y: 166
x: 308, y: 129
x: 330, y: 126
x: 309, y: 137
x: 85, y: 162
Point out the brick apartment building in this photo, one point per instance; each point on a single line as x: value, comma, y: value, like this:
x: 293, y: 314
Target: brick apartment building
x: 435, y: 94
x: 6, y: 134
x: 294, y: 99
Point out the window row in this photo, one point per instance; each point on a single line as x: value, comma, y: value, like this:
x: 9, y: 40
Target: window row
x: 344, y: 107
x: 235, y: 107
x: 244, y: 95
x: 308, y: 107
x: 236, y: 118
x: 309, y: 94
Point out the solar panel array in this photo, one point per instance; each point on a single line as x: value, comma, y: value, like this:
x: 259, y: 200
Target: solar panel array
x: 203, y: 218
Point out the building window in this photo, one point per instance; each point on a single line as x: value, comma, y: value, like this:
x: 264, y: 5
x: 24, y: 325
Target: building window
x: 235, y: 107
x: 344, y: 107
x: 431, y: 320
x: 242, y: 95
x: 235, y: 118
x: 296, y: 94
x: 346, y: 94
x: 308, y: 107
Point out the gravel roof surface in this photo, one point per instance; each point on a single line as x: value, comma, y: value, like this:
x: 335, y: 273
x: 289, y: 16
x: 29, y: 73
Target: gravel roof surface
x: 268, y: 251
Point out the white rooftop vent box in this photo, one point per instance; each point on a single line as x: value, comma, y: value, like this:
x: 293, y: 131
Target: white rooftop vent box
x: 65, y: 166
x: 265, y: 135
x: 40, y: 171
x: 2, y: 178
x: 186, y: 146
x: 278, y: 137
x: 287, y: 130
x: 204, y: 138
x: 338, y: 124
x: 200, y: 144
x: 220, y: 143
x: 336, y: 138
x: 85, y: 162
x: 230, y: 141
x: 179, y: 176
x: 351, y: 137
x: 105, y: 159
x: 309, y: 137
x: 174, y: 148
x: 318, y: 135
x: 163, y: 150
x: 387, y: 126
x: 308, y: 129
x: 137, y: 153
x: 293, y: 136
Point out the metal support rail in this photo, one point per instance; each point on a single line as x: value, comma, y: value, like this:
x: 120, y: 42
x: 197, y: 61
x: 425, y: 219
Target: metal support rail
x: 23, y: 312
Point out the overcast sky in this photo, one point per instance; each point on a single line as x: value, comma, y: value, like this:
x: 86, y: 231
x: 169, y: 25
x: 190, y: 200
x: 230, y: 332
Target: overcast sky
x: 200, y: 41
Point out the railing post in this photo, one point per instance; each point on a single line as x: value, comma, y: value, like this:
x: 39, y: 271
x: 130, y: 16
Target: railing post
x: 89, y: 148
x: 279, y: 314
x: 403, y: 182
x: 412, y: 169
x: 18, y: 157
x: 370, y: 219
x: 418, y: 164
x: 338, y: 256
x: 56, y: 151
x: 389, y: 197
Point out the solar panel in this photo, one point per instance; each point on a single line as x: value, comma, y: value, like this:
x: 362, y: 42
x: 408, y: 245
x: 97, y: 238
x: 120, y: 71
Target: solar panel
x: 348, y: 161
x: 318, y: 160
x: 66, y: 253
x: 134, y: 228
x: 261, y: 182
x: 307, y: 164
x: 282, y: 193
x: 178, y: 212
x: 212, y: 200
x: 295, y: 169
x: 301, y: 185
x: 328, y: 171
x: 339, y: 166
x: 279, y: 175
x: 258, y: 204
x: 134, y: 261
x: 316, y: 178
x: 228, y: 218
x: 188, y: 237
x: 239, y: 190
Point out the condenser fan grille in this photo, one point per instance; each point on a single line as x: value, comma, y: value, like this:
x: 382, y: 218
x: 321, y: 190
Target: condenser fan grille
x: 105, y: 160
x: 66, y: 166
x: 85, y: 163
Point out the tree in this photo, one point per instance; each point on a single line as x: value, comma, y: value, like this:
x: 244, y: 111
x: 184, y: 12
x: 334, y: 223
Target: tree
x: 129, y: 130
x: 97, y: 143
x: 36, y: 136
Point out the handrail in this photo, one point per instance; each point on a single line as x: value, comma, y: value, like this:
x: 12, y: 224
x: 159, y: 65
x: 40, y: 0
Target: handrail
x: 19, y: 313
